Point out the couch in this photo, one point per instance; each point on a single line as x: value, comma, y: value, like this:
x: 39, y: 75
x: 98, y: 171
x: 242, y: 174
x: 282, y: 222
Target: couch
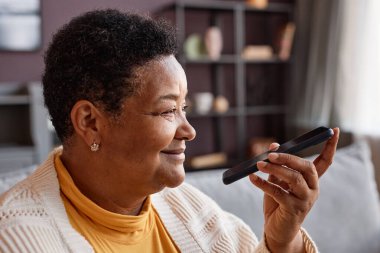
x: 345, y: 218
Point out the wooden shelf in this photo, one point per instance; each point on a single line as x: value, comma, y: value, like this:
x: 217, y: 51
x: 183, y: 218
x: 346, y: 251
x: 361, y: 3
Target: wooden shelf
x: 232, y: 59
x: 230, y: 113
x: 250, y: 110
x: 14, y: 100
x: 232, y: 76
x: 224, y: 59
x: 209, y: 5
x: 266, y: 109
x: 5, y: 147
x: 273, y: 60
x: 229, y: 6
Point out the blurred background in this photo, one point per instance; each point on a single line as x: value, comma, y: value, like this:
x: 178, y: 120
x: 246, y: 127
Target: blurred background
x: 258, y: 71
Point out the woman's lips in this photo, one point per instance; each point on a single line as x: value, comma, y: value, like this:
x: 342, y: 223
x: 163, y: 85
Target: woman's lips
x: 175, y: 154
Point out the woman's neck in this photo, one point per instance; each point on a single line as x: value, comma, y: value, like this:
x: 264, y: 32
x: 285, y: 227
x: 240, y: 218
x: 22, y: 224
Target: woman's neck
x: 92, y: 185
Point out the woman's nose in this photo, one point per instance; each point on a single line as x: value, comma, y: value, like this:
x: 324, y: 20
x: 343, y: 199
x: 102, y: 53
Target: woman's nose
x: 185, y: 130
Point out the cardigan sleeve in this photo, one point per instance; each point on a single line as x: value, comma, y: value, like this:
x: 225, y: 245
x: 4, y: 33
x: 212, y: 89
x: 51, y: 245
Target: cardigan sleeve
x: 310, y: 246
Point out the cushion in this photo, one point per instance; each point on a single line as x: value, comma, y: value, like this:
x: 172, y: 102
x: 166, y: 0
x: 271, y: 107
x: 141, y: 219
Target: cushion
x: 347, y: 213
x: 345, y: 218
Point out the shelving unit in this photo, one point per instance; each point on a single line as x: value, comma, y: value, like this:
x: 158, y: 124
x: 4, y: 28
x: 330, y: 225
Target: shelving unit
x: 24, y: 135
x: 258, y: 107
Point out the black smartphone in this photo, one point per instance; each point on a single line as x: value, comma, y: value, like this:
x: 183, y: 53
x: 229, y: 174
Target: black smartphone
x: 293, y: 146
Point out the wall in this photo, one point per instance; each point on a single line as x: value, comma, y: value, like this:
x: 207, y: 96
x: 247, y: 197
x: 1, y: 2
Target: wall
x: 28, y: 66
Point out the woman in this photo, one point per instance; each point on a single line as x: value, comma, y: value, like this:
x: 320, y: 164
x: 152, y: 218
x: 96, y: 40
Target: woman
x: 116, y: 96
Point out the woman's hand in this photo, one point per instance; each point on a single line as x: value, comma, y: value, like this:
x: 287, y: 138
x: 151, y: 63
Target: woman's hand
x: 290, y: 192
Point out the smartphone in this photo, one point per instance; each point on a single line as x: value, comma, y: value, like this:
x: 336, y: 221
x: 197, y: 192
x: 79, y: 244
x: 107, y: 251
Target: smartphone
x: 293, y: 146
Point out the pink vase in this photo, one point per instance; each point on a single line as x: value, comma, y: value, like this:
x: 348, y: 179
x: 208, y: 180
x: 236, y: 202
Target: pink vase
x: 213, y: 42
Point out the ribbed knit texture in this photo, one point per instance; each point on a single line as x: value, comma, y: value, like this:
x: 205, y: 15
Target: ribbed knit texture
x: 33, y: 219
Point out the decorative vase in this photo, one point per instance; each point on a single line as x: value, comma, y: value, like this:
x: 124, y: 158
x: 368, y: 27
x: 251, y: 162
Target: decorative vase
x: 203, y: 102
x: 213, y: 42
x: 260, y: 4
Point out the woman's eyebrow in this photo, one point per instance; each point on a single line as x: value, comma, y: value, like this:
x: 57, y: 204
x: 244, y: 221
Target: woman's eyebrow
x: 170, y: 96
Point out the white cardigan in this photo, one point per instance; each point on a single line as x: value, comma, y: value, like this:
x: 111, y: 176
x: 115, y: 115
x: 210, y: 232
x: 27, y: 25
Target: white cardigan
x: 33, y: 219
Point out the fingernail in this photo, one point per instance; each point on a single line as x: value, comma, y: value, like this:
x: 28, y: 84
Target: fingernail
x: 262, y: 164
x: 273, y: 156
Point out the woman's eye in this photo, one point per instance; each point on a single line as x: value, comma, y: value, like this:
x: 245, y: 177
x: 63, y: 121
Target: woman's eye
x: 169, y: 115
x: 185, y: 108
x: 172, y: 111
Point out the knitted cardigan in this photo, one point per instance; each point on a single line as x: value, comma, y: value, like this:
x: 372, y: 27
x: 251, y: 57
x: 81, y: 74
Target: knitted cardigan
x: 33, y: 219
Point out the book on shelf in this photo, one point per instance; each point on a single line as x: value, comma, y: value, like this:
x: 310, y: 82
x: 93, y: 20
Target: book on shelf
x: 257, y: 52
x: 285, y: 41
x: 208, y: 160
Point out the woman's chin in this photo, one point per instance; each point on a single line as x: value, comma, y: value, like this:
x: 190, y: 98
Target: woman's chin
x: 175, y: 177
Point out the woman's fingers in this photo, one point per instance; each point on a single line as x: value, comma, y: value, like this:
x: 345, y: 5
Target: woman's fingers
x: 305, y: 167
x: 273, y: 179
x: 284, y: 198
x: 274, y: 146
x: 295, y: 181
x: 280, y: 195
x: 324, y: 160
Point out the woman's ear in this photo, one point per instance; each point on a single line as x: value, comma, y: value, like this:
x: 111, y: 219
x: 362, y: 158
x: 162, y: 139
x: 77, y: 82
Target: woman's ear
x: 87, y: 121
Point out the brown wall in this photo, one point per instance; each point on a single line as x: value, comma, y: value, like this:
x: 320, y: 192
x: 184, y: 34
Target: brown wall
x: 28, y: 66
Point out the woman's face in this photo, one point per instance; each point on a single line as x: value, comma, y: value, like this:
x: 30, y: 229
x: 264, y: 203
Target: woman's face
x: 145, y: 148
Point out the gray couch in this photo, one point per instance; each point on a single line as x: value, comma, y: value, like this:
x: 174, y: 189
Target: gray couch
x: 345, y: 218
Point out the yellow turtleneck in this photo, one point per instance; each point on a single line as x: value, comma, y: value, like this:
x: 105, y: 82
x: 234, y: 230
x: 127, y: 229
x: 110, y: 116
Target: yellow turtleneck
x: 112, y: 232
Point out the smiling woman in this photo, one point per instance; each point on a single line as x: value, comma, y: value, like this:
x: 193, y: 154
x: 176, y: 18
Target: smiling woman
x: 116, y: 96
